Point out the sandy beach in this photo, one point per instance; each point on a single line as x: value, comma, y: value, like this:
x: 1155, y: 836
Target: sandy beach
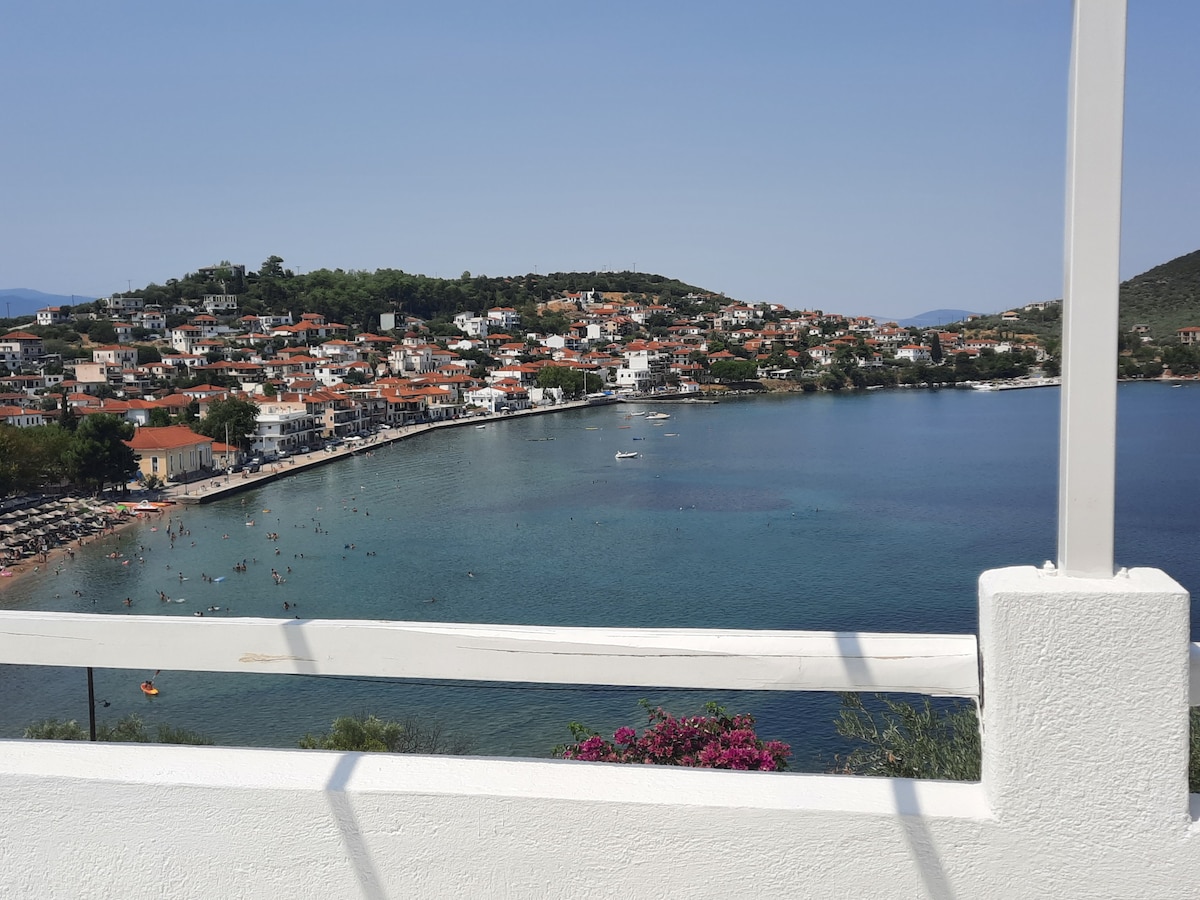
x: 209, y: 489
x: 63, y: 555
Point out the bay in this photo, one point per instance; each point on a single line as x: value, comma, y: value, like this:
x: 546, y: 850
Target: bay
x: 870, y: 511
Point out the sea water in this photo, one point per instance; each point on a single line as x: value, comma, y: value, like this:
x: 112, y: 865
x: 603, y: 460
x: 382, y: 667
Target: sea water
x: 870, y: 511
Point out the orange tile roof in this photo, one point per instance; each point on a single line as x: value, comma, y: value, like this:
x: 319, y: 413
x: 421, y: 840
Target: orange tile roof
x: 166, y: 437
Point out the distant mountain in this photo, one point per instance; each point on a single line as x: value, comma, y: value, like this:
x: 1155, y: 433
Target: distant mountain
x: 1166, y: 298
x: 935, y: 317
x: 20, y: 302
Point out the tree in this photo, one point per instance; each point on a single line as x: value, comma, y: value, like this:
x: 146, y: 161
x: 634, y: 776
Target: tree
x: 900, y: 740
x: 159, y: 417
x: 734, y: 369
x: 66, y: 415
x: 130, y: 729
x: 241, y: 417
x: 148, y: 354
x: 102, y: 332
x: 371, y: 734
x: 98, y: 455
x: 935, y: 349
x: 272, y: 268
x: 570, y: 380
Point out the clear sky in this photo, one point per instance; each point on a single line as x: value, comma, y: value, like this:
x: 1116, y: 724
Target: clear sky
x: 859, y: 156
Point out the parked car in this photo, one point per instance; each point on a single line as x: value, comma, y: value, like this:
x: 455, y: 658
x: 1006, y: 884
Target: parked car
x: 253, y: 467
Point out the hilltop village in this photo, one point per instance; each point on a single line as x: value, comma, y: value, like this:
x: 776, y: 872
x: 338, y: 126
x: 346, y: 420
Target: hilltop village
x: 308, y: 379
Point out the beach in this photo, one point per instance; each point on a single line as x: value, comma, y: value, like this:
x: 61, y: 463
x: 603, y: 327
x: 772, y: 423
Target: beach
x: 59, y: 556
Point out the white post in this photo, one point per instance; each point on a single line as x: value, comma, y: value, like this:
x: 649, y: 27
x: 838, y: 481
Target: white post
x: 1085, y: 714
x: 1088, y: 417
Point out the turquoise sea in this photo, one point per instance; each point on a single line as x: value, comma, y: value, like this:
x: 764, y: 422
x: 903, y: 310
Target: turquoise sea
x: 862, y: 511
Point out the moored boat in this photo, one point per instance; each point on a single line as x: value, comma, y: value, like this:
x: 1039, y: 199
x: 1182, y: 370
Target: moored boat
x: 627, y: 454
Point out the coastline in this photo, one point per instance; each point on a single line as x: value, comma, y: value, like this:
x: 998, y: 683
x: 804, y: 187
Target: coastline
x: 60, y: 556
x: 218, y: 486
x: 211, y: 489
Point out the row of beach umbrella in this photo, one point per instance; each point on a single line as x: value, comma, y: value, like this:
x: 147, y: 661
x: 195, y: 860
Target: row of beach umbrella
x: 25, y: 531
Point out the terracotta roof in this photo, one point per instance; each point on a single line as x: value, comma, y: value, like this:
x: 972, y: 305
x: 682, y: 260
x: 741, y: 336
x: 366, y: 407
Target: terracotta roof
x: 166, y: 437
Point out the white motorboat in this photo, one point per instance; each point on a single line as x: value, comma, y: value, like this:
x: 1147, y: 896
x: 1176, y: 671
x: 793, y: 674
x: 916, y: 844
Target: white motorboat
x: 628, y: 454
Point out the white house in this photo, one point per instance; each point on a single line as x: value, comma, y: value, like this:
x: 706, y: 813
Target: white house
x: 220, y: 304
x: 913, y: 353
x: 503, y: 318
x: 52, y: 315
x: 20, y: 417
x: 184, y: 338
x: 472, y: 325
x: 116, y: 355
x: 504, y: 396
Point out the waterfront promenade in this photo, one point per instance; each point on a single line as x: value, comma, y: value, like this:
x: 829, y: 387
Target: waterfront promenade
x: 222, y: 485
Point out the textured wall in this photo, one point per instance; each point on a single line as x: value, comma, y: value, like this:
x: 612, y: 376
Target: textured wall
x: 1084, y: 795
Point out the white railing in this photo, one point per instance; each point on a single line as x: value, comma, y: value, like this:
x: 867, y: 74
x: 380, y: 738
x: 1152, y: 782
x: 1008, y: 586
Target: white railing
x: 1083, y: 685
x: 944, y: 665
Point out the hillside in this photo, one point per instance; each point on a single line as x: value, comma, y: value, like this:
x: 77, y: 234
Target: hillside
x: 20, y: 302
x: 934, y: 317
x: 1166, y: 298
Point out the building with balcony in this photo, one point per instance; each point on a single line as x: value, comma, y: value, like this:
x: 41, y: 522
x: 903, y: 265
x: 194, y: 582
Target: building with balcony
x: 283, y: 427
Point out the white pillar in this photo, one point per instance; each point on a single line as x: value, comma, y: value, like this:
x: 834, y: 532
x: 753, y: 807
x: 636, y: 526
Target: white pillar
x: 1085, y: 705
x: 1088, y: 417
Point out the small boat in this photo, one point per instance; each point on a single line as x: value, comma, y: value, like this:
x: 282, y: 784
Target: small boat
x: 671, y: 434
x: 642, y: 413
x: 628, y: 454
x: 480, y: 427
x: 149, y: 689
x: 658, y: 415
x: 145, y: 506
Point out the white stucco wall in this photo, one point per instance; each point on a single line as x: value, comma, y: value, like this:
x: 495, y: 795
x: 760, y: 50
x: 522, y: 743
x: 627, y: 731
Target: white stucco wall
x: 1085, y: 693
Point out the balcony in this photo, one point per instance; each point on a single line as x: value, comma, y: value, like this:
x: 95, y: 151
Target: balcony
x: 1084, y: 742
x: 1083, y: 677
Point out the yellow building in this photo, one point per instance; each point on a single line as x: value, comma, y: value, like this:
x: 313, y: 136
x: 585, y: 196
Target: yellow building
x: 171, y: 452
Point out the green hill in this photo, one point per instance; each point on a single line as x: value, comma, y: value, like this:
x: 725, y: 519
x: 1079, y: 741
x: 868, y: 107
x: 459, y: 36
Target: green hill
x: 1166, y: 298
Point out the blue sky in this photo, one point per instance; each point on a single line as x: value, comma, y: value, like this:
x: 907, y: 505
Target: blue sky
x: 861, y: 157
